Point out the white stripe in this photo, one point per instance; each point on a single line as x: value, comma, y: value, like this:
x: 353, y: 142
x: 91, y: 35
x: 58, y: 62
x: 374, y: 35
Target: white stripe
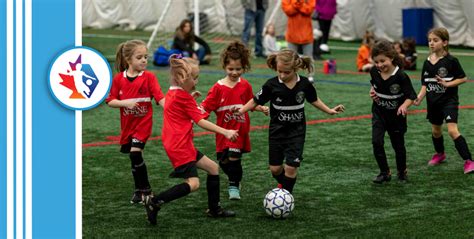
x: 435, y: 80
x: 19, y: 118
x: 28, y: 122
x: 10, y: 134
x: 390, y: 97
x: 144, y: 99
x: 290, y: 107
x: 78, y: 30
x: 228, y: 107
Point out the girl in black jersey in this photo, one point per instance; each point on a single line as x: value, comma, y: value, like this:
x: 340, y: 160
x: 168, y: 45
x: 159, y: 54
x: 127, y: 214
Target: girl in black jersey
x: 287, y: 93
x: 393, y: 93
x: 440, y: 77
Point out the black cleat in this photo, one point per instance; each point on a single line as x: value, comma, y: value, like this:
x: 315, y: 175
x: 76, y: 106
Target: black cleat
x: 402, y: 176
x: 382, y: 177
x: 138, y: 196
x: 220, y: 212
x: 152, y: 209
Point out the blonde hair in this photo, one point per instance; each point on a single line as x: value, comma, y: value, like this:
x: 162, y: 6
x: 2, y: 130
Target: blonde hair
x: 125, y: 52
x: 289, y: 57
x: 181, y: 69
x: 443, y: 34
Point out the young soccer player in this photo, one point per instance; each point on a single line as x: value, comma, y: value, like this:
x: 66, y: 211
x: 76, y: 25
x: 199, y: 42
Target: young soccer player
x: 287, y: 93
x: 180, y: 111
x: 232, y: 91
x: 440, y: 77
x: 133, y: 89
x: 393, y: 93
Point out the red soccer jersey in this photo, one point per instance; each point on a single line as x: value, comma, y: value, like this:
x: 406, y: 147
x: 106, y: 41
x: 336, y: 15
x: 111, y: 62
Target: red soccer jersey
x: 181, y: 110
x: 137, y: 122
x: 221, y: 99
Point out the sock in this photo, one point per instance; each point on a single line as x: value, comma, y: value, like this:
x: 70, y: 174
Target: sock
x: 139, y: 171
x: 235, y: 173
x: 438, y: 144
x: 463, y: 149
x: 173, y: 193
x: 281, y: 177
x: 213, y: 190
x: 289, y: 183
x: 381, y: 158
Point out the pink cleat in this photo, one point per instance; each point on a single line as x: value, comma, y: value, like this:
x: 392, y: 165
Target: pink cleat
x: 437, y: 159
x: 469, y: 166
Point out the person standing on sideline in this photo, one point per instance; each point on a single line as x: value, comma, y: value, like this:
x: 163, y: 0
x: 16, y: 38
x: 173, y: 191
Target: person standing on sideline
x: 325, y: 11
x: 254, y: 13
x: 440, y: 77
x: 299, y: 31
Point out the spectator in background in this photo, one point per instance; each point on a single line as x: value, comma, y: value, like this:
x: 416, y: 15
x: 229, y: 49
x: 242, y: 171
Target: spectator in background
x: 254, y: 13
x: 364, y: 60
x: 324, y: 12
x: 409, y: 49
x: 184, y: 40
x: 269, y: 40
x: 299, y: 31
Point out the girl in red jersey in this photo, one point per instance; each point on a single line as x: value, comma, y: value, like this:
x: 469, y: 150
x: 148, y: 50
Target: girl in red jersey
x: 133, y: 89
x: 229, y: 92
x: 180, y: 111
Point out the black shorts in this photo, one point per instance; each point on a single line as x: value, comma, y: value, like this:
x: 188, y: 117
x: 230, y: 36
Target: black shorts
x: 125, y: 148
x: 188, y: 170
x: 436, y: 115
x: 292, y: 153
x: 229, y: 153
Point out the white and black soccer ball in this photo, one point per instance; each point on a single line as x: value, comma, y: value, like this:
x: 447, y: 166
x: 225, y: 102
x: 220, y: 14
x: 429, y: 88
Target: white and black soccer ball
x: 279, y: 203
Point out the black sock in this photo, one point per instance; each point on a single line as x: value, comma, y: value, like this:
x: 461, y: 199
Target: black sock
x: 235, y: 173
x: 289, y: 183
x: 438, y: 144
x: 463, y: 149
x: 381, y: 158
x: 213, y: 190
x: 173, y: 193
x: 280, y: 177
x: 139, y: 171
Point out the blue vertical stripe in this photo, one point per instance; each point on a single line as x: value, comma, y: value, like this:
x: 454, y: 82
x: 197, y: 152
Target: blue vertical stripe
x: 3, y: 119
x: 53, y: 126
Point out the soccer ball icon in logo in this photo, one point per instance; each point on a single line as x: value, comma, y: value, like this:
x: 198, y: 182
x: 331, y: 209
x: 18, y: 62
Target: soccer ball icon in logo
x: 279, y: 203
x: 80, y: 78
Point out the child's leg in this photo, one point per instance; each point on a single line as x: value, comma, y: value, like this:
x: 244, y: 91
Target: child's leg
x: 437, y: 136
x: 230, y: 162
x: 378, y: 133
x: 459, y: 141
x: 398, y: 143
x: 290, y: 178
x: 278, y: 173
x: 139, y: 170
x: 212, y: 183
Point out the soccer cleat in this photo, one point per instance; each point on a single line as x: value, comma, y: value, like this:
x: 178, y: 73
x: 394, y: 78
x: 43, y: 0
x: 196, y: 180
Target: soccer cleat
x: 437, y: 159
x: 382, y: 177
x: 220, y: 212
x: 152, y: 209
x: 137, y: 197
x: 469, y: 166
x: 402, y: 176
x: 234, y: 193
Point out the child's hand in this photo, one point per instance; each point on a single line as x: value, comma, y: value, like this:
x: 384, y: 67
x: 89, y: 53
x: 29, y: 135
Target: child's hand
x: 231, y: 134
x: 417, y: 101
x: 336, y: 110
x: 265, y: 110
x: 196, y: 94
x: 402, y: 110
x: 442, y: 82
x: 373, y: 95
x: 235, y: 110
x: 129, y: 104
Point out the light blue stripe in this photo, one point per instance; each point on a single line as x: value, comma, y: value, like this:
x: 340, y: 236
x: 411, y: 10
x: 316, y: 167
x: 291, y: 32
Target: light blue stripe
x: 53, y: 126
x: 3, y: 119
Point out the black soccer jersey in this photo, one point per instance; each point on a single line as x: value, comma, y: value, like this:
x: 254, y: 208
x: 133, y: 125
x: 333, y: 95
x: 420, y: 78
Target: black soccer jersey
x: 393, y: 91
x: 287, y: 118
x: 448, y: 68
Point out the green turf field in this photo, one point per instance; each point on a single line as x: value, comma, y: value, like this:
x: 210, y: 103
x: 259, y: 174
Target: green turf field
x: 334, y: 194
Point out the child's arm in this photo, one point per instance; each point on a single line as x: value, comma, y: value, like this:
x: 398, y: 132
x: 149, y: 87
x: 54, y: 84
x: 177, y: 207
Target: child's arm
x: 250, y: 105
x: 403, y: 109
x: 452, y: 83
x: 420, y: 96
x: 207, y: 125
x: 373, y: 95
x: 129, y: 103
x: 264, y: 109
x: 324, y: 108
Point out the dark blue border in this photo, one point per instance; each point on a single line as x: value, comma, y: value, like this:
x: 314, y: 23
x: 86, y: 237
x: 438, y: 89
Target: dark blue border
x: 79, y: 47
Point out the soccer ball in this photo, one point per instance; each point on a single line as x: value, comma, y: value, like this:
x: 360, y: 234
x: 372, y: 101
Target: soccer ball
x: 279, y: 203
